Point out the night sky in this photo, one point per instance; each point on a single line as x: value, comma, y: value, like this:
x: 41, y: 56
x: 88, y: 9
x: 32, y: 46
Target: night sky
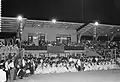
x: 106, y: 11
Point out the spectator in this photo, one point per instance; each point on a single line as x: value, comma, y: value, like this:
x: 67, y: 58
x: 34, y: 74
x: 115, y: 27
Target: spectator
x: 2, y: 74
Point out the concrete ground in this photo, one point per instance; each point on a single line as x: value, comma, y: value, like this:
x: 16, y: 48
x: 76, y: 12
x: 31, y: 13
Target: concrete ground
x: 88, y: 76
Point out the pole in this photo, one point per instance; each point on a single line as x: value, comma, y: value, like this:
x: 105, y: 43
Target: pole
x: 20, y: 31
x: 82, y: 9
x: 115, y: 54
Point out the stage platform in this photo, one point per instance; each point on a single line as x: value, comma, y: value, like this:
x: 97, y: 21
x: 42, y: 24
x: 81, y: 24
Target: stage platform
x: 88, y: 76
x: 45, y: 47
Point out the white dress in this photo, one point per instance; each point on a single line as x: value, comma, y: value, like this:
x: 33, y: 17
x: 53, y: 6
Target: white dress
x: 53, y: 69
x: 58, y: 70
x: 50, y: 69
x: 86, y: 68
x: 47, y: 70
x: 105, y: 67
x: 38, y: 70
x: 73, y: 69
x: 62, y: 69
x: 66, y: 70
x: 44, y: 70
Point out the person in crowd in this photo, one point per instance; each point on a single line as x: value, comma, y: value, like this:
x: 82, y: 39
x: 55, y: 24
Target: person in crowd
x: 32, y: 66
x: 39, y: 69
x: 7, y: 69
x: 54, y: 68
x: 79, y: 65
x: 2, y: 73
x: 11, y: 67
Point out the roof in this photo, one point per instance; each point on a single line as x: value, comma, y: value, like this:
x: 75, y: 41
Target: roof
x: 11, y: 24
x: 101, y: 30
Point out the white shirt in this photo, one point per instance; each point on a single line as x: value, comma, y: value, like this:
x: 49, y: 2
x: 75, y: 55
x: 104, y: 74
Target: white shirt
x: 96, y: 59
x: 6, y: 65
x: 79, y: 62
x: 70, y: 60
x: 23, y: 62
x: 2, y: 75
x: 38, y: 70
x: 11, y: 65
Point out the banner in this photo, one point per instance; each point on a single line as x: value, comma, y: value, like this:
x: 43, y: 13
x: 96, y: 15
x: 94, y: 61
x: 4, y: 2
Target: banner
x: 55, y: 49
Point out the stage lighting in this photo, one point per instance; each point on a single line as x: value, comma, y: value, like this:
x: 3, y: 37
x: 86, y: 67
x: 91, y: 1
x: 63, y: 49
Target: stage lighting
x: 20, y: 18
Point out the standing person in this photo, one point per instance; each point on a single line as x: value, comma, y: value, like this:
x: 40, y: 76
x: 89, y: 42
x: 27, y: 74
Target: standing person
x: 16, y: 67
x: 79, y: 64
x: 7, y: 69
x: 11, y: 66
x: 2, y: 74
x: 31, y: 67
x: 21, y: 72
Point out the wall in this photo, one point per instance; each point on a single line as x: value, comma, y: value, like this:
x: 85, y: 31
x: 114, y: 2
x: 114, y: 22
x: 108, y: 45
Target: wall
x: 50, y: 32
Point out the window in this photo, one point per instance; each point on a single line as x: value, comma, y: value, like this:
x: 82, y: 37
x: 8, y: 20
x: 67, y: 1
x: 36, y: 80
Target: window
x: 41, y: 39
x: 58, y: 39
x: 68, y: 39
x: 30, y: 39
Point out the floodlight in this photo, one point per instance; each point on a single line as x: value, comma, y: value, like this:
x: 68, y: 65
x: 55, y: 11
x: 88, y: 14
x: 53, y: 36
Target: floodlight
x: 96, y: 23
x: 20, y: 18
x: 20, y: 32
x: 21, y: 29
x: 54, y: 20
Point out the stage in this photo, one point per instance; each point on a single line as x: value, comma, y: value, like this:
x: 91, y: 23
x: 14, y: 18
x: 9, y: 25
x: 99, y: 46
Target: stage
x: 88, y: 76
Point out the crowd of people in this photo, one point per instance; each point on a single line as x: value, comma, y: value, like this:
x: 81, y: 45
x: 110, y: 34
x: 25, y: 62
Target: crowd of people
x: 8, y: 54
x: 59, y: 64
x: 104, y: 48
x: 75, y: 64
x: 17, y: 66
x: 52, y: 43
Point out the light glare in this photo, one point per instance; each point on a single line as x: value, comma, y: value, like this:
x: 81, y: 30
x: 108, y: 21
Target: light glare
x: 19, y: 18
x: 54, y: 20
x: 96, y: 23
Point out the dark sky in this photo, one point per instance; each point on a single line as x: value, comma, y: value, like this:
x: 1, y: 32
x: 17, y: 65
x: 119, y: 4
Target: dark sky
x: 106, y: 11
